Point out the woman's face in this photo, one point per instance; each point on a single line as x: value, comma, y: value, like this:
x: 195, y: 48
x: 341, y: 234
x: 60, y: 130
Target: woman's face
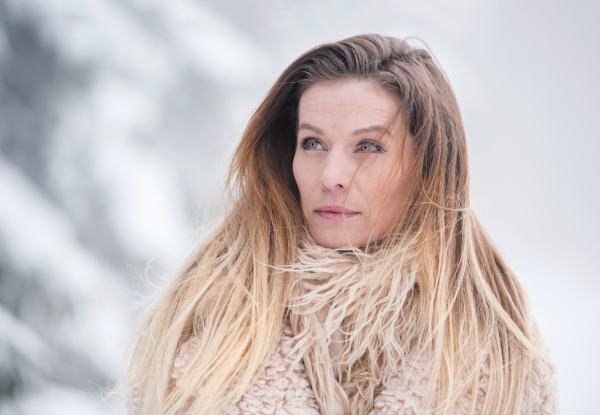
x: 350, y: 164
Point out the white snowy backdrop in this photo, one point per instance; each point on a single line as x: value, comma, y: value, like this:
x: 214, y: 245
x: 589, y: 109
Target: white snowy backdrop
x: 117, y: 118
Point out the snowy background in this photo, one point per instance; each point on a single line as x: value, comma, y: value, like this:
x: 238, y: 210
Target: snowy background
x: 117, y: 118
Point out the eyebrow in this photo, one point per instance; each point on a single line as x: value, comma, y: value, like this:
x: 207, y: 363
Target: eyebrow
x: 306, y: 126
x: 370, y: 129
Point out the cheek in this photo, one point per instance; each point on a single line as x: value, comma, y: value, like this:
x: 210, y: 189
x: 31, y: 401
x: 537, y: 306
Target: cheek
x: 387, y: 197
x: 303, y: 180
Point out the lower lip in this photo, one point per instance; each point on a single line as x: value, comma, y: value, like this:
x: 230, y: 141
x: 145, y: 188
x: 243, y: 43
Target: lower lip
x: 336, y: 215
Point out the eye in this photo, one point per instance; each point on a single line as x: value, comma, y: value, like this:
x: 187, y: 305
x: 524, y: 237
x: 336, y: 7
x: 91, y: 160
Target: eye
x: 370, y: 147
x: 311, y: 144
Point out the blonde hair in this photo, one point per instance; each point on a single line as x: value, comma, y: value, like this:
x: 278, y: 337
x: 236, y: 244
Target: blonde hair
x: 464, y: 306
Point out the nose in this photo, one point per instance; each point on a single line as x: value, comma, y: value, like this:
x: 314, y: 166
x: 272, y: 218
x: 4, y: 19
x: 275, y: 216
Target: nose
x: 337, y: 172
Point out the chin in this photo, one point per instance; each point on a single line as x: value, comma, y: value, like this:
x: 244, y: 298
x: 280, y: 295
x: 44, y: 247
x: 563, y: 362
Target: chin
x: 337, y: 238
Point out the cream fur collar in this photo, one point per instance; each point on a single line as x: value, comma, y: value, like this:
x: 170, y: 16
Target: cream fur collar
x: 358, y: 342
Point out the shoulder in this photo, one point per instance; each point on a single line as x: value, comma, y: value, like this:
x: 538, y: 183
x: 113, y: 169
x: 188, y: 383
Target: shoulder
x: 406, y: 390
x: 282, y: 385
x: 541, y: 392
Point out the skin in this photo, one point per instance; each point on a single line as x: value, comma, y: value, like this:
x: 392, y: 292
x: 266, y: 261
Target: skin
x: 351, y: 165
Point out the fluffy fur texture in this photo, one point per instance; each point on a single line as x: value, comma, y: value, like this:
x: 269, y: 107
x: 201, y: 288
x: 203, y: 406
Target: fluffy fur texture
x: 373, y: 306
x: 382, y: 368
x: 283, y: 387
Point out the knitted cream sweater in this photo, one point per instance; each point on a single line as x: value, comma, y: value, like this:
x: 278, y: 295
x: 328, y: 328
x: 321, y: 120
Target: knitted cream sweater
x: 284, y: 389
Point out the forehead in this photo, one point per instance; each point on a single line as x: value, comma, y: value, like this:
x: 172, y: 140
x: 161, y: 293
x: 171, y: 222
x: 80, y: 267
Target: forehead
x: 351, y: 103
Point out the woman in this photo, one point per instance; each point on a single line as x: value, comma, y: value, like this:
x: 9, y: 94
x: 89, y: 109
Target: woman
x: 350, y: 275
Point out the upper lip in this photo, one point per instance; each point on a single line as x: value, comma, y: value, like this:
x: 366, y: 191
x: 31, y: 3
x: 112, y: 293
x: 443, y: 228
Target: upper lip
x: 335, y: 209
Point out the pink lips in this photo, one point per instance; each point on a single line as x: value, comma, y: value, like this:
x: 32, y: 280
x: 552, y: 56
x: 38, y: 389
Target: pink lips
x: 335, y: 212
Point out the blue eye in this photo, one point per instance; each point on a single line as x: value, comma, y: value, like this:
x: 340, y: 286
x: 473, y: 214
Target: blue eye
x: 370, y: 147
x: 310, y: 144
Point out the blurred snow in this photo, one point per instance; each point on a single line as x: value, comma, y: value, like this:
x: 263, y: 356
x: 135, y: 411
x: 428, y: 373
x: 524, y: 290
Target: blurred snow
x: 55, y: 400
x: 118, y: 117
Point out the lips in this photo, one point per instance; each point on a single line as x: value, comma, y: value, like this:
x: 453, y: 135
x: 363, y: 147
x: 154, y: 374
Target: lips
x: 336, y: 212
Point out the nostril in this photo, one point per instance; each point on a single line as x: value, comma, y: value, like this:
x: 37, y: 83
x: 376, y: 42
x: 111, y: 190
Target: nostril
x: 335, y: 174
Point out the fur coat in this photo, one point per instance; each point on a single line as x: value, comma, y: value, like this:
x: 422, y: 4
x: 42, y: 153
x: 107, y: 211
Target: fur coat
x: 284, y: 389
x: 283, y: 385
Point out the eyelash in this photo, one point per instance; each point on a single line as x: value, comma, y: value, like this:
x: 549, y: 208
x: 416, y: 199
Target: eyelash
x: 305, y: 141
x: 377, y: 147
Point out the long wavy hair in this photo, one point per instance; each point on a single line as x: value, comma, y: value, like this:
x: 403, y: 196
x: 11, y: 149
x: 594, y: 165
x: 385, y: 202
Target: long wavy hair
x: 467, y: 309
